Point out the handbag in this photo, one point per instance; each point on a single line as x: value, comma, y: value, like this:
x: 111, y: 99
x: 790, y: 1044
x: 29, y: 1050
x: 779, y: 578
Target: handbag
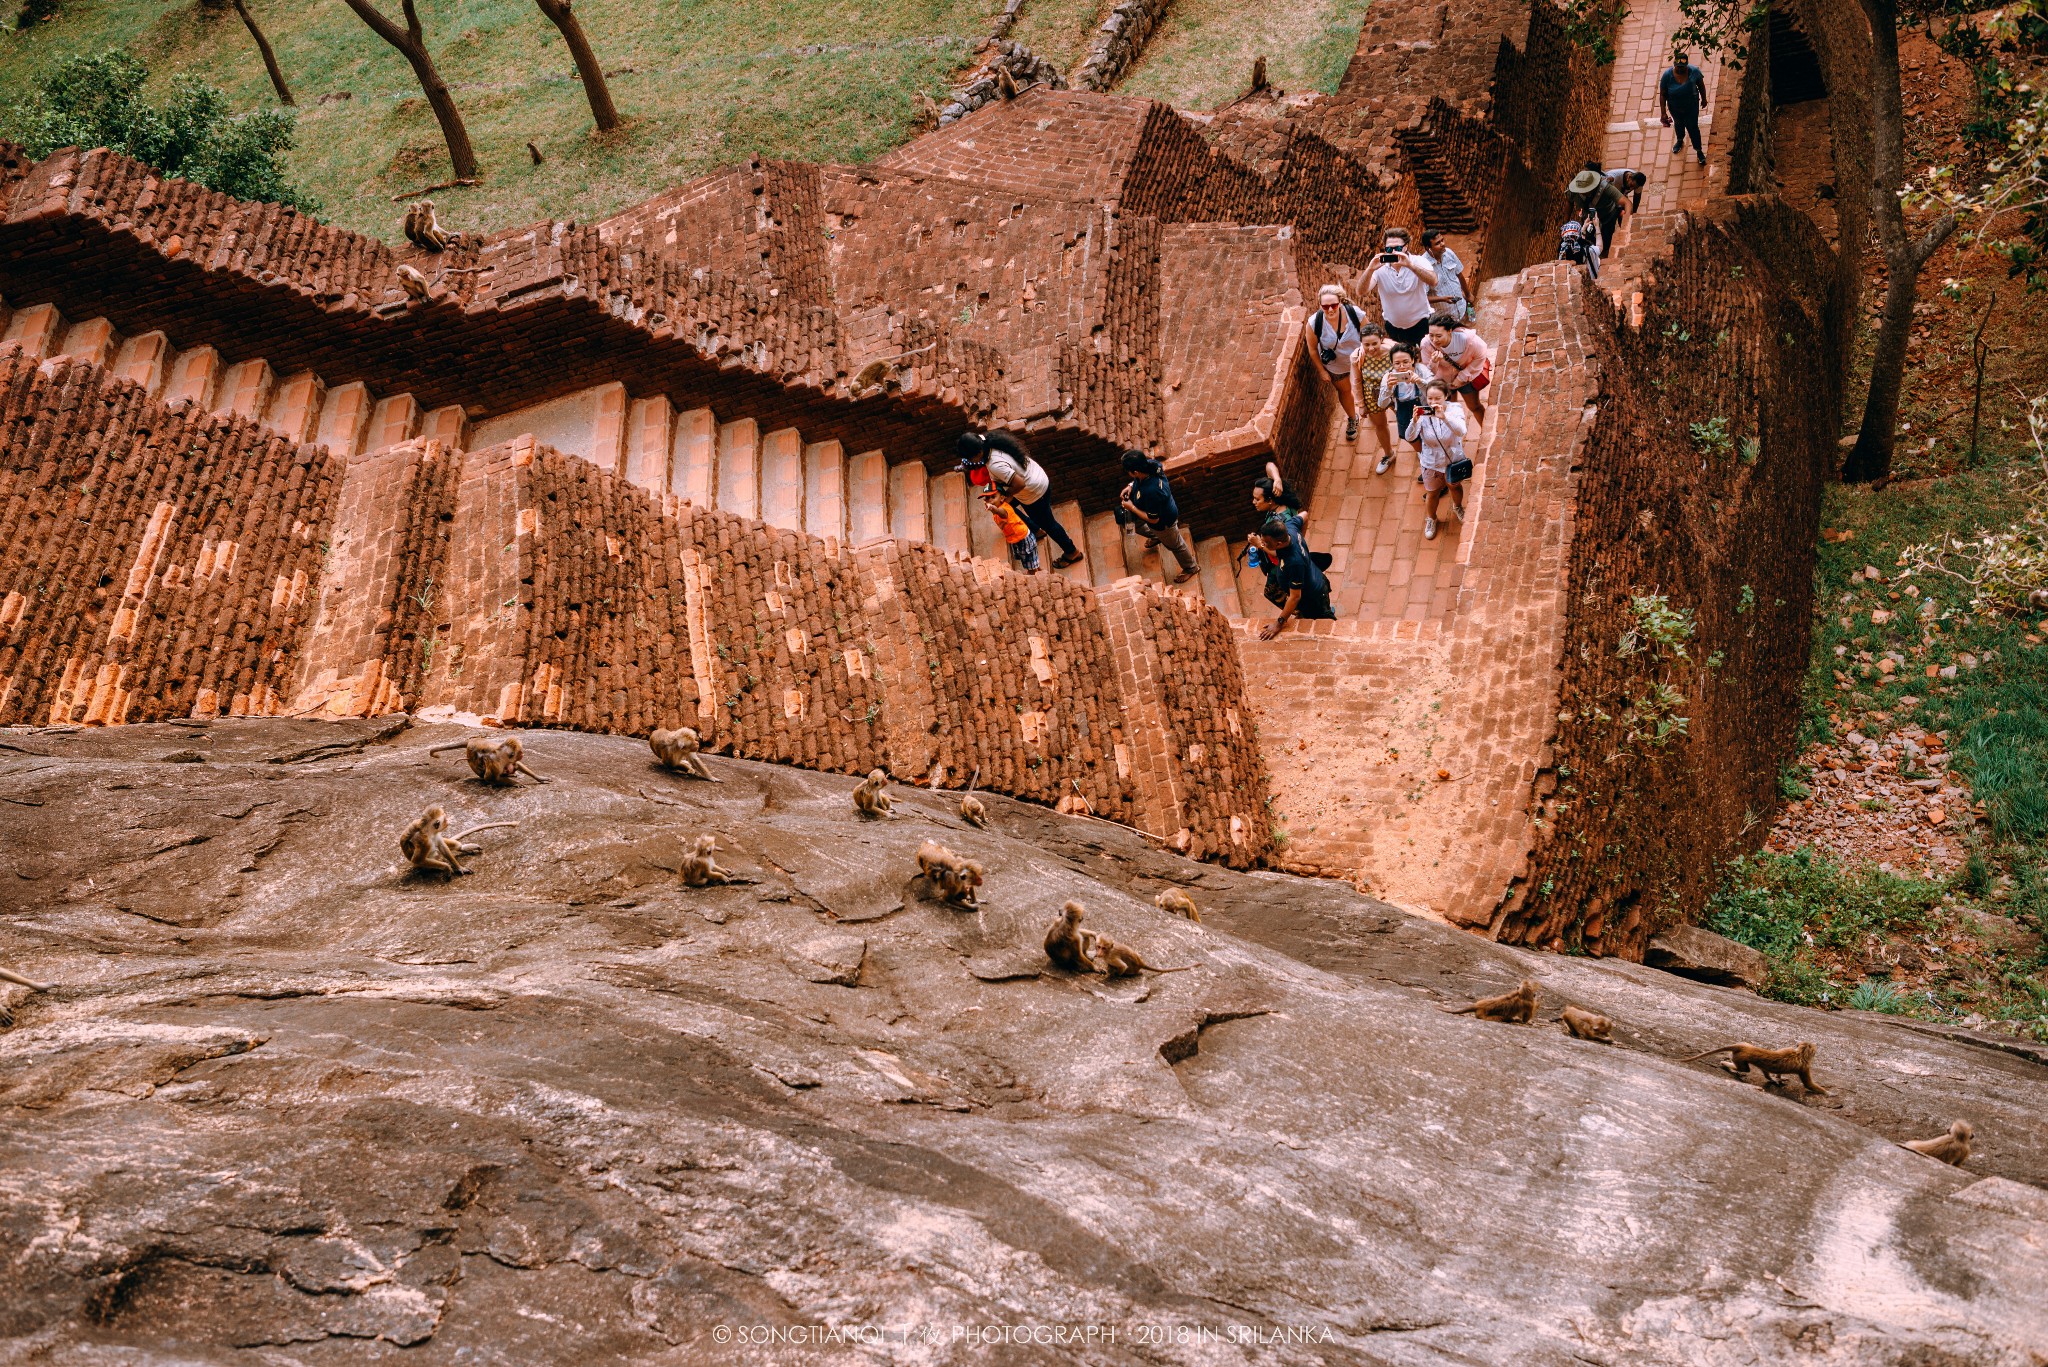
x: 1459, y: 470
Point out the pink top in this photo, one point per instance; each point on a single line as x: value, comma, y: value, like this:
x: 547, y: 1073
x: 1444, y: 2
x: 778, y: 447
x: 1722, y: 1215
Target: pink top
x: 1463, y: 361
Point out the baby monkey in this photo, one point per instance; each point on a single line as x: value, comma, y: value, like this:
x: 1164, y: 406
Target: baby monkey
x: 971, y: 810
x: 678, y: 750
x: 1177, y: 902
x: 1586, y: 1024
x: 1510, y: 1008
x: 1121, y: 961
x: 499, y: 761
x: 954, y: 878
x: 1953, y: 1147
x: 1069, y: 946
x: 871, y: 798
x: 427, y: 845
x: 700, y: 870
x: 1772, y: 1063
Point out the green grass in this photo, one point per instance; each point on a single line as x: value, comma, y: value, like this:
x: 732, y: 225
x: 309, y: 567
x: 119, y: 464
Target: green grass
x: 1202, y: 55
x: 1802, y: 910
x: 712, y: 82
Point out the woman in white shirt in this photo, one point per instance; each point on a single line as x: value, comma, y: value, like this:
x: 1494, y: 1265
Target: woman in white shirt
x: 1337, y: 330
x: 1438, y: 431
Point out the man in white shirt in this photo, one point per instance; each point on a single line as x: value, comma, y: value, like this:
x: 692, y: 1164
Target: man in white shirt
x: 1403, y: 283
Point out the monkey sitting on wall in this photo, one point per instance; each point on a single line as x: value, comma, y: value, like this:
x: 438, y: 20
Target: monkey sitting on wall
x: 1953, y: 1147
x: 427, y: 845
x: 493, y: 761
x: 1509, y: 1008
x: 871, y: 798
x: 1772, y: 1063
x: 954, y: 878
x: 415, y: 285
x: 423, y: 228
x: 680, y: 751
x: 1586, y: 1024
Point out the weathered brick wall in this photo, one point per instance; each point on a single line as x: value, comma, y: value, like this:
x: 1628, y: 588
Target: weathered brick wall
x: 1631, y: 830
x: 152, y: 563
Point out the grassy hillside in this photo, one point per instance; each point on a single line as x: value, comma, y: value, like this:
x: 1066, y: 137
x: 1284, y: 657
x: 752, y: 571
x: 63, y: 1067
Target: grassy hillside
x: 703, y: 83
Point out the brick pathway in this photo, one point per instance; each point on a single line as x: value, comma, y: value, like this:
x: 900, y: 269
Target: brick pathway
x: 1405, y: 737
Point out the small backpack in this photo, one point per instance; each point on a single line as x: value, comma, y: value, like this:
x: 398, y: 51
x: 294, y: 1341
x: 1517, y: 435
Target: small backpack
x: 1571, y: 242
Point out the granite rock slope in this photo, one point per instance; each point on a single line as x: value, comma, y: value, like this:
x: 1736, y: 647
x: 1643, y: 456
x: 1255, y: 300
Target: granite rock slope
x: 288, y: 1104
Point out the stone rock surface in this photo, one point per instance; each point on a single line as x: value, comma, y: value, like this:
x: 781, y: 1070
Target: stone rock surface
x: 1711, y: 958
x: 290, y: 1104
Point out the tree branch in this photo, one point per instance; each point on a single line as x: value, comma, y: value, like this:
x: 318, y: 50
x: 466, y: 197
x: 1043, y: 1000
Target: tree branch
x: 1930, y: 242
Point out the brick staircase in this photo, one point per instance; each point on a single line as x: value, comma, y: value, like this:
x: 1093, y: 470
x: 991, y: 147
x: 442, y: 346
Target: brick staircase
x: 712, y: 460
x: 1443, y: 202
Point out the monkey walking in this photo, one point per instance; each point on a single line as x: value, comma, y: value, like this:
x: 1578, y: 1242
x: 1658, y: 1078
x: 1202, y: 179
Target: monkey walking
x: 1509, y: 1008
x: 427, y: 845
x: 1953, y: 1147
x: 1772, y: 1063
x: 871, y: 798
x: 499, y: 761
x: 971, y: 810
x: 954, y: 878
x: 1068, y: 946
x: 9, y: 976
x: 1121, y: 961
x: 678, y: 750
x: 1177, y: 902
x: 1586, y: 1024
x: 700, y: 870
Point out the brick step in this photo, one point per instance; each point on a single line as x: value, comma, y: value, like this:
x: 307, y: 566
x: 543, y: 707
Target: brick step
x: 1443, y: 199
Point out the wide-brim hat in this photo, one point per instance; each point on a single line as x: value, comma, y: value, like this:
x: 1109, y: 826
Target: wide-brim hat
x: 1584, y: 183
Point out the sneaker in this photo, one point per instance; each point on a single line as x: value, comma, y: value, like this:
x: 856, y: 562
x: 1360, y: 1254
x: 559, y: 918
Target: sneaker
x: 1070, y: 558
x: 1386, y: 459
x: 1429, y: 529
x: 1678, y: 146
x: 1185, y: 575
x: 1458, y: 511
x: 1703, y: 161
x: 1351, y: 429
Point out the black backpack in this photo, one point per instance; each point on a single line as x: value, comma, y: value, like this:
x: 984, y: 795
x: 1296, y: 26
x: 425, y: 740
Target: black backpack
x: 1324, y: 351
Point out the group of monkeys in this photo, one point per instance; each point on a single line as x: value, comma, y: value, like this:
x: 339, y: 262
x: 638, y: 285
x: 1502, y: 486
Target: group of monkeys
x: 1068, y: 945
x: 1519, y: 1008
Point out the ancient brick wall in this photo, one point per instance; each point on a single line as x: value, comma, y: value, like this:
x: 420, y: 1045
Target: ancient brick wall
x: 1700, y: 484
x: 152, y: 563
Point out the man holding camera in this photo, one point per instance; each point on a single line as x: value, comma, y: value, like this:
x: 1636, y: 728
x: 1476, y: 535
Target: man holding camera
x: 1147, y: 507
x: 1403, y: 283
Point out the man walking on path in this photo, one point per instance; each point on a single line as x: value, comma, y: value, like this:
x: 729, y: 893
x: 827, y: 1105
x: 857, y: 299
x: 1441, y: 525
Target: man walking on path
x: 1149, y: 507
x: 1002, y: 461
x: 1681, y: 94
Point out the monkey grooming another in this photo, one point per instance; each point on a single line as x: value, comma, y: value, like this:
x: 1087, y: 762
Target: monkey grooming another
x: 678, y: 750
x: 871, y: 798
x: 954, y: 878
x: 1585, y: 1024
x: 499, y: 761
x: 426, y: 844
x: 1509, y: 1008
x: 1067, y: 945
x: 1121, y: 961
x: 1177, y: 902
x: 971, y: 810
x: 9, y: 976
x: 1772, y: 1063
x: 700, y: 870
x: 1953, y: 1147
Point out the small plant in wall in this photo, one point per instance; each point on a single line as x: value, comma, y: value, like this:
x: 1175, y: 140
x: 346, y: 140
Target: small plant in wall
x: 1657, y: 636
x: 1659, y: 629
x: 1711, y: 438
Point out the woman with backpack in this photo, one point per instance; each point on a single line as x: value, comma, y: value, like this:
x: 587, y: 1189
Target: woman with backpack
x: 1438, y: 430
x: 999, y: 461
x: 1338, y: 332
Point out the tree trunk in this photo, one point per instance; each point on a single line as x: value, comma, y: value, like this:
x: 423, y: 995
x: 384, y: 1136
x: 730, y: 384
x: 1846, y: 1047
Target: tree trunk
x: 412, y: 45
x: 587, y: 66
x: 284, y: 92
x: 1871, y: 457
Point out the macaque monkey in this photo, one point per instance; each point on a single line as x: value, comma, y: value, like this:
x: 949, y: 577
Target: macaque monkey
x: 426, y: 844
x: 1585, y: 1024
x: 871, y: 798
x: 423, y: 229
x: 1953, y: 1147
x: 1177, y: 902
x: 971, y: 810
x: 9, y: 976
x: 1121, y: 961
x: 1770, y: 1062
x: 1510, y: 1008
x: 954, y: 878
x: 1069, y: 946
x: 414, y: 284
x: 679, y: 750
x: 499, y: 761
x: 700, y: 870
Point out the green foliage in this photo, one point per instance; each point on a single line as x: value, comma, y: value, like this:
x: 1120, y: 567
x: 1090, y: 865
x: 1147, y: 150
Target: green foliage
x: 1875, y: 994
x: 1751, y: 450
x: 97, y: 101
x: 1659, y: 628
x: 1787, y: 906
x: 1592, y: 24
x: 1792, y: 784
x: 1711, y: 437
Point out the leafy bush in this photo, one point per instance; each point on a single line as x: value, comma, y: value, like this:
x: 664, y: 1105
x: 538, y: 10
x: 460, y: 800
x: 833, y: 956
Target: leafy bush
x: 1789, y: 905
x: 1874, y: 994
x: 96, y: 101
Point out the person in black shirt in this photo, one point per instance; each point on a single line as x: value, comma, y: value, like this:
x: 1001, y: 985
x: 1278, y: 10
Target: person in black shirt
x: 1147, y: 507
x: 1294, y: 581
x: 1681, y: 94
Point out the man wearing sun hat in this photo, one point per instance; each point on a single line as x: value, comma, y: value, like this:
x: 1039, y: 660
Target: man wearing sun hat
x: 1591, y: 190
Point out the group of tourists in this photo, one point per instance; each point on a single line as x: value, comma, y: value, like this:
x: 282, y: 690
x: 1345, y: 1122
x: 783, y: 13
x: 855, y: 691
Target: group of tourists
x: 1600, y: 197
